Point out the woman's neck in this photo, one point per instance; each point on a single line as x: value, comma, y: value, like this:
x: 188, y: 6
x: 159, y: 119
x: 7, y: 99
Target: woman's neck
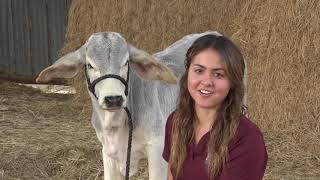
x: 206, y: 117
x: 204, y: 122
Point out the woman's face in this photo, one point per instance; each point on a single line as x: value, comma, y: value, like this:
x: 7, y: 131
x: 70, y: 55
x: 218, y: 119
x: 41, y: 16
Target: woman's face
x: 207, y: 81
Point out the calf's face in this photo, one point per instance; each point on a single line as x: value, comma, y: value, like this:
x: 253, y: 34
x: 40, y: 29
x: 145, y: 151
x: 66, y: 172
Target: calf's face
x: 108, y: 53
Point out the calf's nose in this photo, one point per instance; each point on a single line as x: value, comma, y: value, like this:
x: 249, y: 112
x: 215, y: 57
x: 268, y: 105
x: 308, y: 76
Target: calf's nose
x: 113, y: 100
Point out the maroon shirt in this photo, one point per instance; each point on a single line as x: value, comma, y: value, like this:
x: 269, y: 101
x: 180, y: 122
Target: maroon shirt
x: 247, y: 155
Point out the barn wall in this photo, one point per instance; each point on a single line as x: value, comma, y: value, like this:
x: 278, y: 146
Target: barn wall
x: 32, y: 33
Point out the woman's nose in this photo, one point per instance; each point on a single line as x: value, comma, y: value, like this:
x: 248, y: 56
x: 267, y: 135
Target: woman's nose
x: 207, y: 80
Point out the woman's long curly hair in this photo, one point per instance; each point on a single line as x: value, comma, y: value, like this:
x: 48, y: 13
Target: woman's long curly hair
x: 228, y: 115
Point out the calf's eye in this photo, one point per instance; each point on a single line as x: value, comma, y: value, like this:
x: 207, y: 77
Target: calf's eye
x: 89, y: 66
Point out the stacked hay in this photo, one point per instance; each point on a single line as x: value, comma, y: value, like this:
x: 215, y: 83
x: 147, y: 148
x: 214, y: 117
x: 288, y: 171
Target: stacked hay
x: 280, y: 40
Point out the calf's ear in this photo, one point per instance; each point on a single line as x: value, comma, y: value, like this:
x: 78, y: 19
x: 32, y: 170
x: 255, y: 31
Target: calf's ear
x: 66, y: 67
x: 148, y: 68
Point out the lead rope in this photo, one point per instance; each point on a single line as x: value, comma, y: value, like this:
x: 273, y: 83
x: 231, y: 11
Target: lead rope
x: 129, y: 143
x: 91, y: 89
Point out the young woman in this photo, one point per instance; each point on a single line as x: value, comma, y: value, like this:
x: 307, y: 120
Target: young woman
x: 208, y: 136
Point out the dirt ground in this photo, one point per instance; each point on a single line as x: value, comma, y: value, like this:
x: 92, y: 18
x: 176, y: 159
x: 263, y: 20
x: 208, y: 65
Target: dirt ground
x: 47, y: 136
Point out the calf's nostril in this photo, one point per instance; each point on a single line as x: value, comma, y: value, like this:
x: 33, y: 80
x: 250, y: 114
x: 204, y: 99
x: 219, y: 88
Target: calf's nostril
x: 119, y: 99
x: 113, y: 100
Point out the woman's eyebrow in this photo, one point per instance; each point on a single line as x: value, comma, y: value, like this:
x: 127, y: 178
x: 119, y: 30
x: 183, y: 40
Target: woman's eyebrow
x: 199, y: 65
x: 213, y: 69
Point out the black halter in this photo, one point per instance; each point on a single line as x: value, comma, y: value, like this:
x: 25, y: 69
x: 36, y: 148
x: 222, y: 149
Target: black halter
x: 91, y: 86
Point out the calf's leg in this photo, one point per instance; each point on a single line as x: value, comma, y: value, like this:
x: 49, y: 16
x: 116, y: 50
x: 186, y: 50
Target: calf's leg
x: 156, y: 164
x: 110, y: 167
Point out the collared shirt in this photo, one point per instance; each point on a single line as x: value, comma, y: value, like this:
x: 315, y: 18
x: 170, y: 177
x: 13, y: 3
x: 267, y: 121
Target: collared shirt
x: 247, y: 155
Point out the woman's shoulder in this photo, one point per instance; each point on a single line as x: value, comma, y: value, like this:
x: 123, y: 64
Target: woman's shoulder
x: 247, y: 153
x: 247, y: 127
x: 247, y: 132
x: 170, y: 121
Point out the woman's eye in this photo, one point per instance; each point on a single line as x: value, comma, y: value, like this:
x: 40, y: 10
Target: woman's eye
x: 198, y: 70
x: 218, y: 75
x: 89, y: 66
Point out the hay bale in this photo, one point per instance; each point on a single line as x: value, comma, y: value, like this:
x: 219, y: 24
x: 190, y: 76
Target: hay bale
x: 280, y: 40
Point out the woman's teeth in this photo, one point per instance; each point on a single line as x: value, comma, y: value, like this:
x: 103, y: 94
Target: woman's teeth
x: 205, y: 92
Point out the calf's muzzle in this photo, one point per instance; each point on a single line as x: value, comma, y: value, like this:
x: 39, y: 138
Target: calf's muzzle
x: 113, y: 101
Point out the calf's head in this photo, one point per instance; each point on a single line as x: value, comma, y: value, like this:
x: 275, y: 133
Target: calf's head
x: 107, y: 53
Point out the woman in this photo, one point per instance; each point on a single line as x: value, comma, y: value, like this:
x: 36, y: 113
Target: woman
x: 208, y: 136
